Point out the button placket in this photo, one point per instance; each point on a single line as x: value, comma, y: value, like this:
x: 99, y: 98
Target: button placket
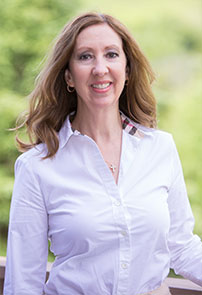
x: 124, y: 241
x: 118, y: 211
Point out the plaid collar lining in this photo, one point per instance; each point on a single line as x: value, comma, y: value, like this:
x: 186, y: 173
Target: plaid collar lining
x: 127, y: 125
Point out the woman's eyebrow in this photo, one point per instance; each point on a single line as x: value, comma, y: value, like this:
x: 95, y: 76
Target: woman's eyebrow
x: 113, y: 46
x: 88, y: 48
x: 83, y: 48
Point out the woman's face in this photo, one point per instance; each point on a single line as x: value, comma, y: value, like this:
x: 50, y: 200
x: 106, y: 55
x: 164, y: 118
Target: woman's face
x: 97, y: 67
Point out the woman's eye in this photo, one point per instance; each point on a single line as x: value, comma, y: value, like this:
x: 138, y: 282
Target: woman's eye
x: 85, y: 56
x: 112, y: 54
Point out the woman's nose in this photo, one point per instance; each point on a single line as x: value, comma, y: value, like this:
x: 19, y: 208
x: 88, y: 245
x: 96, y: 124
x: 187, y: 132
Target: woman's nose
x: 100, y: 68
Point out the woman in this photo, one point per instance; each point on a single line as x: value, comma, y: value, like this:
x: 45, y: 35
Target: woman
x: 98, y: 179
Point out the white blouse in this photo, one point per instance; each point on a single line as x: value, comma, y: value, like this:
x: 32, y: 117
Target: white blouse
x: 108, y: 239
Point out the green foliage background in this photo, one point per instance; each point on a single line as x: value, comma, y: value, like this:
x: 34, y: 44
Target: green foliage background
x: 169, y: 33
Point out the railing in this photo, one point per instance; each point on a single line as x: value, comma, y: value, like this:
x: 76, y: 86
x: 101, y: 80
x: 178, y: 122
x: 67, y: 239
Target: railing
x: 177, y: 286
x: 183, y: 287
x: 2, y: 272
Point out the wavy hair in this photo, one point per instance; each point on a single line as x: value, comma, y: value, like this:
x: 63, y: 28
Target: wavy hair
x: 50, y: 102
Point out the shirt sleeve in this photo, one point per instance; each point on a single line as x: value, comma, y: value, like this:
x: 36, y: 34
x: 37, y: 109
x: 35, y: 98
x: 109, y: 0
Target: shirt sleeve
x: 185, y: 247
x: 27, y: 247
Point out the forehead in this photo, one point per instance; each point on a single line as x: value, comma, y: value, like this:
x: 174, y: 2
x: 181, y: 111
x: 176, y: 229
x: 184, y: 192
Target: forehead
x: 99, y: 35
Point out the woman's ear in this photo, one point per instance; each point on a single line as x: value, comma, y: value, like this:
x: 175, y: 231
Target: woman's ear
x: 68, y: 78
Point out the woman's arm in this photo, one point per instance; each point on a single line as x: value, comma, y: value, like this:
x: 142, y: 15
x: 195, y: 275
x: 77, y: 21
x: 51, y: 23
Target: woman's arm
x: 27, y: 247
x: 185, y: 247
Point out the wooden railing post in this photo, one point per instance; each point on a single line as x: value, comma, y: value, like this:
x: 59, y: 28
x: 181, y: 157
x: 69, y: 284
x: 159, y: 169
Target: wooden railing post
x: 2, y: 272
x: 183, y: 287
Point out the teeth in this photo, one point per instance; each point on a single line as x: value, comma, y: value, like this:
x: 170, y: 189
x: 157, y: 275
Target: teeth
x: 101, y: 86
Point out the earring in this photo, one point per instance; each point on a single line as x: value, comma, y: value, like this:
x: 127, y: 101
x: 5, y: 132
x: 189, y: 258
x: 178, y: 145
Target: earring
x: 70, y: 89
x: 126, y: 83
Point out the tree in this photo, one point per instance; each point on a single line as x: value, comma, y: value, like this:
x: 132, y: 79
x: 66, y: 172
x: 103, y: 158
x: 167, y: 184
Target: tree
x: 26, y: 30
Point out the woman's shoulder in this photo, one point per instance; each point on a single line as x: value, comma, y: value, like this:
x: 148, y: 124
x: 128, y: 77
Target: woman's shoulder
x: 31, y: 157
x: 140, y: 131
x: 155, y: 133
x: 158, y: 142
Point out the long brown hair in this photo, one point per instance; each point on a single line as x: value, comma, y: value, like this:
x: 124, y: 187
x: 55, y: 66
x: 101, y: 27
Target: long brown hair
x: 50, y: 102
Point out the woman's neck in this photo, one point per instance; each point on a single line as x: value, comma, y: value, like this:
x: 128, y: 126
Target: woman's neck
x: 102, y: 125
x: 105, y: 128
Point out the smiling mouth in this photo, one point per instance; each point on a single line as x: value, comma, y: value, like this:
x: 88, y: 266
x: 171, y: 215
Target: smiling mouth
x: 101, y: 86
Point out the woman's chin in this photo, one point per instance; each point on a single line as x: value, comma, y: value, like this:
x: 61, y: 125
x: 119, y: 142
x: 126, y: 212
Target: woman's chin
x: 103, y: 103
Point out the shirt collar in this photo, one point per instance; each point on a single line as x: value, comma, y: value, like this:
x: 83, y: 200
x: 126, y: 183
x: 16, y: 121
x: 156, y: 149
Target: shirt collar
x: 129, y: 126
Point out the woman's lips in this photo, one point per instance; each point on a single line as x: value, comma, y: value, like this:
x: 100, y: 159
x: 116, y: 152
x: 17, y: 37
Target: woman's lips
x: 101, y: 86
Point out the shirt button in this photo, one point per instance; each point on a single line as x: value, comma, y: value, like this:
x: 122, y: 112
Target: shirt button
x: 117, y: 203
x: 76, y: 132
x: 124, y: 233
x: 124, y: 265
